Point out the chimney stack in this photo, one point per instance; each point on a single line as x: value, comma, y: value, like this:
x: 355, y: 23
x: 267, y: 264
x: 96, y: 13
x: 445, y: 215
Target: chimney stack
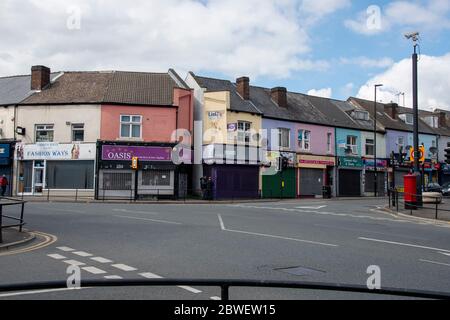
x: 279, y: 95
x: 243, y: 87
x: 40, y: 77
x: 391, y: 110
x: 442, y: 116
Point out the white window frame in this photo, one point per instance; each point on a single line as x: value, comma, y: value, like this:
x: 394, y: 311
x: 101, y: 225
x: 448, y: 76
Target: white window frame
x: 353, y: 147
x: 77, y: 127
x: 130, y: 124
x: 280, y: 136
x: 361, y: 115
x: 46, y: 128
x: 304, y: 144
x: 370, y: 144
x: 243, y: 136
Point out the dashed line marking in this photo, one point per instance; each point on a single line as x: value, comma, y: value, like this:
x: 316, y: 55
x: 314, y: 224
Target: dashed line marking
x: 150, y: 275
x: 215, y: 298
x: 56, y: 256
x: 65, y: 249
x: 101, y: 260
x: 94, y: 270
x: 112, y: 277
x: 82, y: 254
x: 74, y: 262
x: 123, y: 267
x: 146, y: 219
x: 190, y: 289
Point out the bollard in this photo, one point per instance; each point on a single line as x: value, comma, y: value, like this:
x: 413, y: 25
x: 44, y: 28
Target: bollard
x: 21, y: 216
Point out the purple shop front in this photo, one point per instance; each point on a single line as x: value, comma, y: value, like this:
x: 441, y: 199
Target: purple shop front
x: 126, y: 153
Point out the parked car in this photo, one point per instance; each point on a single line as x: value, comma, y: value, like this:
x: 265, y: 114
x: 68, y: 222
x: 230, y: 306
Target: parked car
x: 446, y: 189
x: 433, y: 187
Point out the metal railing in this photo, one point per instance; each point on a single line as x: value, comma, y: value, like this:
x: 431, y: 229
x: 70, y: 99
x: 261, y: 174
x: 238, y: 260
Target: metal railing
x: 4, y: 202
x: 225, y: 286
x: 397, y: 201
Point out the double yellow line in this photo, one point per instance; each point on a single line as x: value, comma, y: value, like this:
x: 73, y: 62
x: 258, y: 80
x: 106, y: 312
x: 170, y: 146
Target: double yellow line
x: 48, y: 240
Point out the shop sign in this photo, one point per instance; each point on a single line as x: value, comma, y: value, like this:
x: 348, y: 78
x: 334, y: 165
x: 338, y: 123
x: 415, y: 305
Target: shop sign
x: 214, y: 115
x: 305, y: 161
x: 56, y: 151
x: 144, y: 153
x: 231, y: 127
x: 4, y: 150
x: 381, y: 164
x: 350, y: 162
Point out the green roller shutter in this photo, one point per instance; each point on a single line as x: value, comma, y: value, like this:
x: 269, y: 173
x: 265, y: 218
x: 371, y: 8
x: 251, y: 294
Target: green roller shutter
x: 272, y: 184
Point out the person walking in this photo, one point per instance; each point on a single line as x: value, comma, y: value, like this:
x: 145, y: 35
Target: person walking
x: 209, y: 188
x: 3, y: 184
x: 203, y: 182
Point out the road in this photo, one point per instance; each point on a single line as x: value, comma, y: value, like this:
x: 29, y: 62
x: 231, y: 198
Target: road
x: 300, y: 240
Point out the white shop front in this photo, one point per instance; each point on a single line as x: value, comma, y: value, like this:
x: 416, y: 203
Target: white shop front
x: 55, y: 166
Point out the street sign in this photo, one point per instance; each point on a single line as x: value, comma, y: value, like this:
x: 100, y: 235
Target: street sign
x: 421, y: 154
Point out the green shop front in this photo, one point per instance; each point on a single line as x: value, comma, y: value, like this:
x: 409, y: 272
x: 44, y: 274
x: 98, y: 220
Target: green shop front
x: 349, y: 176
x: 279, y: 182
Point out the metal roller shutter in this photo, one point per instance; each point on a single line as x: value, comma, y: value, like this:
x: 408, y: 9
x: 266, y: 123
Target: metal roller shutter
x: 311, y: 182
x: 349, y: 183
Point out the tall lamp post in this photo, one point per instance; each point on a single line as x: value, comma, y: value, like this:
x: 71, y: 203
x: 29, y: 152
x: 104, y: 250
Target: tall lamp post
x: 414, y: 36
x: 375, y: 182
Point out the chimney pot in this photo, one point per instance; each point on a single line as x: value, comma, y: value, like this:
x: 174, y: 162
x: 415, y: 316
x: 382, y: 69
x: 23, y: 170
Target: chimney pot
x: 279, y: 95
x: 243, y: 87
x: 40, y: 77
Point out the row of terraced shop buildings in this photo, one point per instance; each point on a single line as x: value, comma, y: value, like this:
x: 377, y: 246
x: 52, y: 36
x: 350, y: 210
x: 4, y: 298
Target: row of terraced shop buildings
x: 77, y: 132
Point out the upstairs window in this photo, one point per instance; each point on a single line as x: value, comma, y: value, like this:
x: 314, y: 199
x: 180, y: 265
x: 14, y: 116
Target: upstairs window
x: 44, y: 132
x: 352, y: 144
x: 407, y: 118
x: 304, y: 139
x: 130, y: 126
x: 283, y: 138
x: 369, y: 147
x: 361, y: 115
x: 243, y: 131
x: 78, y: 132
x: 432, y: 121
x: 329, y: 136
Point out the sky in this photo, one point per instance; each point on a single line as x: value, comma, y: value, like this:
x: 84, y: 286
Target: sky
x: 330, y: 48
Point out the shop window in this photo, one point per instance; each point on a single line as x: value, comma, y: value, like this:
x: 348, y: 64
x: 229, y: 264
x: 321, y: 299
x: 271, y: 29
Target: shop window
x: 44, y: 133
x: 78, y: 132
x: 304, y: 139
x: 283, y: 138
x: 130, y: 126
x: 369, y: 147
x: 243, y: 132
x: 70, y: 174
x: 156, y: 178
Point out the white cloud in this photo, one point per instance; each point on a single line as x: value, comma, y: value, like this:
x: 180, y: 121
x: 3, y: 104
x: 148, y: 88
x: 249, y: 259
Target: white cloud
x: 434, y: 82
x: 325, y: 92
x: 313, y: 10
x: 366, y: 62
x: 424, y: 15
x: 234, y: 37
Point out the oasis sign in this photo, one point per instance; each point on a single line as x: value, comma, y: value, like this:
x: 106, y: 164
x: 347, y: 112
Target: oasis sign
x: 127, y: 153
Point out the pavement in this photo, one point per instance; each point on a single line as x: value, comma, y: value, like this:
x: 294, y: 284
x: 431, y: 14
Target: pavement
x: 428, y: 211
x: 330, y: 241
x: 12, y: 237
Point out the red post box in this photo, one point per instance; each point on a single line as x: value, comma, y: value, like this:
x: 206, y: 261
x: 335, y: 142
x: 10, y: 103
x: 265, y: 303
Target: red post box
x: 410, y: 190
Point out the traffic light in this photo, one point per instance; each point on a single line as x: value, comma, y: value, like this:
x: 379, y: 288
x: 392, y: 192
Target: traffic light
x: 447, y: 155
x: 134, y: 163
x: 284, y: 163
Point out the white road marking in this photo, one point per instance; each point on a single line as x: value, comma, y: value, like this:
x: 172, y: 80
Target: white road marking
x: 445, y: 253
x: 146, y: 219
x: 37, y: 292
x: 132, y: 211
x: 82, y: 254
x: 93, y: 270
x: 56, y: 256
x: 112, y: 277
x: 101, y: 260
x: 150, y: 275
x: 404, y: 244
x: 66, y: 249
x: 435, y: 262
x: 65, y: 210
x: 74, y: 262
x: 222, y: 226
x: 215, y: 298
x: 123, y: 267
x: 190, y: 289
x: 313, y: 208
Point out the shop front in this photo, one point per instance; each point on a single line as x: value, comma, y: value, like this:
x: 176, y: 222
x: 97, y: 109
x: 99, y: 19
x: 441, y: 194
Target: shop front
x: 314, y: 172
x: 55, y: 167
x: 444, y: 174
x: 6, y: 163
x: 157, y: 175
x: 349, y: 176
x: 369, y: 176
x: 430, y: 172
x: 279, y: 182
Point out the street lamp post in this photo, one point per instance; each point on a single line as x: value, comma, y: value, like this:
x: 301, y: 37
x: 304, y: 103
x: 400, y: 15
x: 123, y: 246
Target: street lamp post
x: 414, y: 36
x: 375, y: 182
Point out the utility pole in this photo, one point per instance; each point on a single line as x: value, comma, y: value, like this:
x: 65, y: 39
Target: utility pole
x: 375, y: 182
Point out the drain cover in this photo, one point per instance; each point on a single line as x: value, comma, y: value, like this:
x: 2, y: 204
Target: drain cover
x: 300, y: 271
